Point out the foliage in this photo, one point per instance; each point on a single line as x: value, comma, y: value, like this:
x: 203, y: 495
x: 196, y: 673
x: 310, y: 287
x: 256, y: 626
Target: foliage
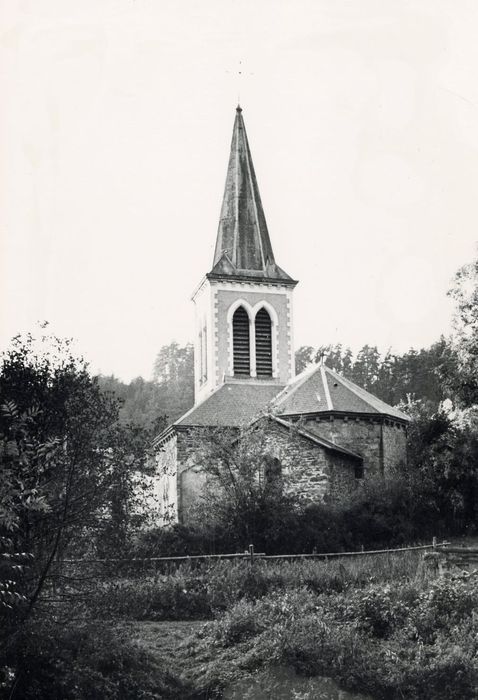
x: 244, y: 501
x: 367, y: 639
x: 200, y: 591
x: 140, y: 402
x: 66, y: 465
x: 83, y: 661
x: 443, y: 466
x: 462, y: 379
x: 392, y: 377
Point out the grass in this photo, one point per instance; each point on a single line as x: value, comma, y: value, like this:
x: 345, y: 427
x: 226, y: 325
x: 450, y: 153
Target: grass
x: 201, y: 592
x: 384, y: 626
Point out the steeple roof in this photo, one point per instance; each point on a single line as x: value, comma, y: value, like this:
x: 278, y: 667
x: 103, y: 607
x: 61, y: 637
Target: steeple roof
x: 243, y: 247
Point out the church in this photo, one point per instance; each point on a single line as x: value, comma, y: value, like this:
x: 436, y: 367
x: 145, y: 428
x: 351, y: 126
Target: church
x: 244, y: 372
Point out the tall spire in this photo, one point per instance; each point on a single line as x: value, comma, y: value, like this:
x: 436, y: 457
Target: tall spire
x: 243, y: 246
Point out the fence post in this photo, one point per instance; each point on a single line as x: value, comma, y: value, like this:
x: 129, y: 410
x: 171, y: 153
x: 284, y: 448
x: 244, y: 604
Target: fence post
x: 434, y: 542
x: 251, y: 554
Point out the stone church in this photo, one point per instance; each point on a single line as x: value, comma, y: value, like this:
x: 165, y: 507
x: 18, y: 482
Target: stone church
x: 244, y: 371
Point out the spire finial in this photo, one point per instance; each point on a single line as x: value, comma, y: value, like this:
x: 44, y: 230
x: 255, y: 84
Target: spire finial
x: 238, y: 109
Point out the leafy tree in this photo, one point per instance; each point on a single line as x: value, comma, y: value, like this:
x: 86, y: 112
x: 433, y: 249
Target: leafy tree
x: 244, y: 501
x: 443, y: 463
x: 304, y: 357
x: 152, y: 404
x: 140, y: 402
x: 174, y: 373
x: 64, y: 458
x: 461, y: 378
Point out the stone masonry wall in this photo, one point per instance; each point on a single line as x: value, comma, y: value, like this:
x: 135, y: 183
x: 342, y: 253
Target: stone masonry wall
x: 381, y: 443
x: 310, y: 472
x: 166, y: 481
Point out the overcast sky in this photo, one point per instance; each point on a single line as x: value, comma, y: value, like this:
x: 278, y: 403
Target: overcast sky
x: 115, y: 126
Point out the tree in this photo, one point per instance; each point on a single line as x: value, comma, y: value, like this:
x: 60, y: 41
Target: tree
x: 443, y: 463
x: 244, y: 501
x: 461, y: 377
x: 174, y: 374
x: 64, y: 458
x: 304, y: 357
x: 141, y: 403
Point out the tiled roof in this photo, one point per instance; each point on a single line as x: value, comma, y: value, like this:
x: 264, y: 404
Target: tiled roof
x: 317, y: 390
x: 243, y: 247
x: 320, y: 389
x: 233, y: 404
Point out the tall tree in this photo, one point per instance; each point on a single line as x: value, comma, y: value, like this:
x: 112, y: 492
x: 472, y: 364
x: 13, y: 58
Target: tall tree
x: 461, y: 377
x: 65, y: 456
x: 174, y: 373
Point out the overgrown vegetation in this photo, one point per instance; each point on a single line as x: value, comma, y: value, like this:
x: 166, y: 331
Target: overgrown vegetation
x: 410, y: 641
x: 72, y: 467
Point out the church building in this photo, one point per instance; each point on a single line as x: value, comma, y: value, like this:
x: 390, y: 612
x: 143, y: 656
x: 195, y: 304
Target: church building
x: 244, y: 371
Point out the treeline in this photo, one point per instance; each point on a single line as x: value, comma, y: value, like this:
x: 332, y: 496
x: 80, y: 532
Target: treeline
x: 394, y: 378
x: 154, y: 404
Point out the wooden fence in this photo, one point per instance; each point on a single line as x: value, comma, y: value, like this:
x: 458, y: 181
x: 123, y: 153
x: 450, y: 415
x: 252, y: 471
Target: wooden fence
x: 249, y: 556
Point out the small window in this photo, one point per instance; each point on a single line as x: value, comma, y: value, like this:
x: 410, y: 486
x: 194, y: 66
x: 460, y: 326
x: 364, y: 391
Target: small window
x: 272, y: 471
x: 359, y: 471
x: 240, y: 338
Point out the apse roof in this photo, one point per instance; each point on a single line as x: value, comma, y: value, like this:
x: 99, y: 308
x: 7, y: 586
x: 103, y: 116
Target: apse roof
x: 320, y: 389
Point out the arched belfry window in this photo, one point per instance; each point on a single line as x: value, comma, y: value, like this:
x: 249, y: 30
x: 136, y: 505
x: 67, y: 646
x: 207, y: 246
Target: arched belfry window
x: 240, y: 335
x: 263, y: 325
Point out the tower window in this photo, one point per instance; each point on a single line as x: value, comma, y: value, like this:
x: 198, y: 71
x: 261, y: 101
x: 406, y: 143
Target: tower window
x: 263, y: 344
x: 240, y: 335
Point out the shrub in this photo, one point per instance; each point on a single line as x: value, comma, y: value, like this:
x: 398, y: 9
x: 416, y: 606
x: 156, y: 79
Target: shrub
x: 85, y: 661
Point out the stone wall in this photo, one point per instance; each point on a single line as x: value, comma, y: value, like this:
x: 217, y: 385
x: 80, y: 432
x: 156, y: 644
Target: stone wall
x: 309, y: 472
x: 380, y: 442
x: 165, y: 488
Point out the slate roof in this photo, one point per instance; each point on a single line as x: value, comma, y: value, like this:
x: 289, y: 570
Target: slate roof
x: 243, y: 247
x: 320, y: 389
x: 232, y: 404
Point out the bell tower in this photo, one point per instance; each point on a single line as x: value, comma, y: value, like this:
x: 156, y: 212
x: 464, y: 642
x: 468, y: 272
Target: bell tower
x: 244, y: 304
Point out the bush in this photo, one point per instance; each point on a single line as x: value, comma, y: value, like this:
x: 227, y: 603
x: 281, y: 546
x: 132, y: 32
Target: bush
x: 84, y: 661
x: 364, y: 639
x: 200, y: 591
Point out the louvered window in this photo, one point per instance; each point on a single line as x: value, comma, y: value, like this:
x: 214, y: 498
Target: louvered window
x: 263, y: 344
x: 240, y: 334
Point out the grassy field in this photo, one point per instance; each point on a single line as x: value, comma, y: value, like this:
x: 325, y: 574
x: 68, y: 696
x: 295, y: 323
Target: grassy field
x: 381, y: 627
x: 386, y: 627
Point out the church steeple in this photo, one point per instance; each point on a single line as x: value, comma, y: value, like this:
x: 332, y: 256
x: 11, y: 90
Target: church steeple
x: 243, y: 247
x: 244, y: 305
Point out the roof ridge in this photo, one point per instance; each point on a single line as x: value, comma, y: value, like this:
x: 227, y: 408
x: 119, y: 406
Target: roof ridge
x: 295, y: 384
x: 325, y: 383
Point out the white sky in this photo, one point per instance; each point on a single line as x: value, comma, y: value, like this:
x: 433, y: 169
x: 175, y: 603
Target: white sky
x: 115, y: 124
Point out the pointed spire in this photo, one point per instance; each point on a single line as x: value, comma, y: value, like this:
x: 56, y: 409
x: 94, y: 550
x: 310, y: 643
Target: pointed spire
x: 243, y: 246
